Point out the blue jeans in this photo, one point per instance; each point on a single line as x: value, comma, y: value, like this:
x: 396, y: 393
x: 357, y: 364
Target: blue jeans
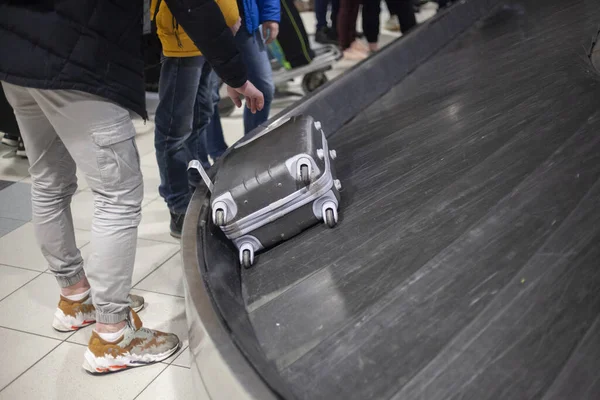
x: 184, y: 110
x: 256, y: 58
x: 215, y: 140
x: 321, y: 7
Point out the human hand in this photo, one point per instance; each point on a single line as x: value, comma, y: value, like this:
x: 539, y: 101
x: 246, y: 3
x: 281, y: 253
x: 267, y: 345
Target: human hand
x: 255, y: 100
x: 236, y: 27
x: 270, y: 30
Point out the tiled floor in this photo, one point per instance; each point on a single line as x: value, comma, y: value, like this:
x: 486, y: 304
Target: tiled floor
x: 41, y: 363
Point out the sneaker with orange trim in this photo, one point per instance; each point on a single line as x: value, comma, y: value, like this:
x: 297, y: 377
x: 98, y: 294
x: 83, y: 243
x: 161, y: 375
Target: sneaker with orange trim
x: 137, y: 346
x: 73, y: 315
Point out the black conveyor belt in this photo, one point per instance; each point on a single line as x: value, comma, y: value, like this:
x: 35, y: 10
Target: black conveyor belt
x: 467, y: 261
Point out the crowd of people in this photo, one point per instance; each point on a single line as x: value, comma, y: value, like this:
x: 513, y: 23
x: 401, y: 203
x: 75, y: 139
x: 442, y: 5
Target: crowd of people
x: 73, y: 82
x: 340, y: 27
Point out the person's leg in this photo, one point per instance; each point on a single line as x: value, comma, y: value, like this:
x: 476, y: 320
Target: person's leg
x: 335, y: 8
x: 203, y: 111
x: 325, y: 34
x: 254, y: 53
x: 215, y: 139
x: 175, y: 145
x: 343, y: 24
x: 443, y: 3
x: 370, y: 22
x: 392, y: 23
x: 347, y: 16
x: 54, y: 182
x: 406, y: 15
x: 321, y: 13
x: 8, y: 124
x: 100, y: 137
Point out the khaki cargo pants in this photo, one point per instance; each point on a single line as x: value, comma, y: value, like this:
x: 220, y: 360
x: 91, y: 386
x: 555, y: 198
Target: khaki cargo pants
x: 64, y: 130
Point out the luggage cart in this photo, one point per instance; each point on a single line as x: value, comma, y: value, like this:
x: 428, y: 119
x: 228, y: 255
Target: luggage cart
x: 313, y: 75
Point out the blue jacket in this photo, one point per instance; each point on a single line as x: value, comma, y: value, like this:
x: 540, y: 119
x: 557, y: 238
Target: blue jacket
x: 258, y: 11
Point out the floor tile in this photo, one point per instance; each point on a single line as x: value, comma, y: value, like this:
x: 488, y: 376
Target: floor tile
x: 5, y: 149
x: 143, y: 128
x: 155, y: 222
x: 15, y: 202
x: 145, y: 142
x: 149, y: 256
x: 8, y: 225
x: 184, y: 359
x: 168, y: 279
x: 4, y: 184
x: 13, y: 168
x: 24, y: 251
x: 60, y: 376
x: 151, y: 183
x: 81, y: 182
x: 20, y: 351
x: 13, y: 278
x: 233, y: 128
x: 149, y: 160
x: 174, y: 383
x: 162, y: 312
x: 35, y: 303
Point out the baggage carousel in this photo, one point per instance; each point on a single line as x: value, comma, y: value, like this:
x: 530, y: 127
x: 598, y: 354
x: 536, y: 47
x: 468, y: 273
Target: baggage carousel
x: 466, y: 264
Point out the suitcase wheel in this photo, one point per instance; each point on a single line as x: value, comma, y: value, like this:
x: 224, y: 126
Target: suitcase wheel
x: 329, y: 213
x: 330, y: 218
x: 313, y: 80
x: 246, y: 259
x: 304, y: 174
x: 220, y: 217
x: 246, y: 255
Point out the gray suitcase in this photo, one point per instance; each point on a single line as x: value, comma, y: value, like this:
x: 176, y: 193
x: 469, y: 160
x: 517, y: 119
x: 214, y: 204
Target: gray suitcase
x: 275, y: 185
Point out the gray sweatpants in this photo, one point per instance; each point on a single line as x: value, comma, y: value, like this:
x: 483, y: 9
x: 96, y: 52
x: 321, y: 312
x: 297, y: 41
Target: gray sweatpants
x: 63, y: 130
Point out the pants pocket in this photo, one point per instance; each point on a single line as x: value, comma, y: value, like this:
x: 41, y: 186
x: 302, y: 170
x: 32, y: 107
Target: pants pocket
x: 117, y: 156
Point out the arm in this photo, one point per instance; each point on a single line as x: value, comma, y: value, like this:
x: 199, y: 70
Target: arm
x: 205, y: 25
x: 229, y: 9
x: 269, y: 10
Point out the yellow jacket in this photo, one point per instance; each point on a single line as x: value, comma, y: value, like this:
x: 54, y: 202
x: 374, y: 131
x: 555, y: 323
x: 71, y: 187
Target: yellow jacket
x: 175, y: 42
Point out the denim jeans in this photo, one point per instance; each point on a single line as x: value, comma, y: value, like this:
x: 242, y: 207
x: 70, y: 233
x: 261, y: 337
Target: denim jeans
x: 215, y: 140
x: 321, y: 7
x: 255, y: 56
x: 184, y: 111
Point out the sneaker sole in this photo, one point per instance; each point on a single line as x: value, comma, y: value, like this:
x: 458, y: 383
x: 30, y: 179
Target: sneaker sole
x: 64, y: 324
x: 176, y: 235
x: 100, y: 365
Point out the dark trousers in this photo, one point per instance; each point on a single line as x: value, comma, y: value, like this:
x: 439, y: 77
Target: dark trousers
x: 184, y: 111
x: 404, y: 10
x: 8, y: 121
x: 321, y: 7
x: 346, y: 28
x: 370, y: 20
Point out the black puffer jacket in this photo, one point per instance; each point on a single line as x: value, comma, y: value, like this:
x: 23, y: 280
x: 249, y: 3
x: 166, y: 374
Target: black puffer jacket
x: 95, y: 46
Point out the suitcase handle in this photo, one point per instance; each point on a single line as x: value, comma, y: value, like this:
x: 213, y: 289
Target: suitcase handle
x: 195, y: 164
